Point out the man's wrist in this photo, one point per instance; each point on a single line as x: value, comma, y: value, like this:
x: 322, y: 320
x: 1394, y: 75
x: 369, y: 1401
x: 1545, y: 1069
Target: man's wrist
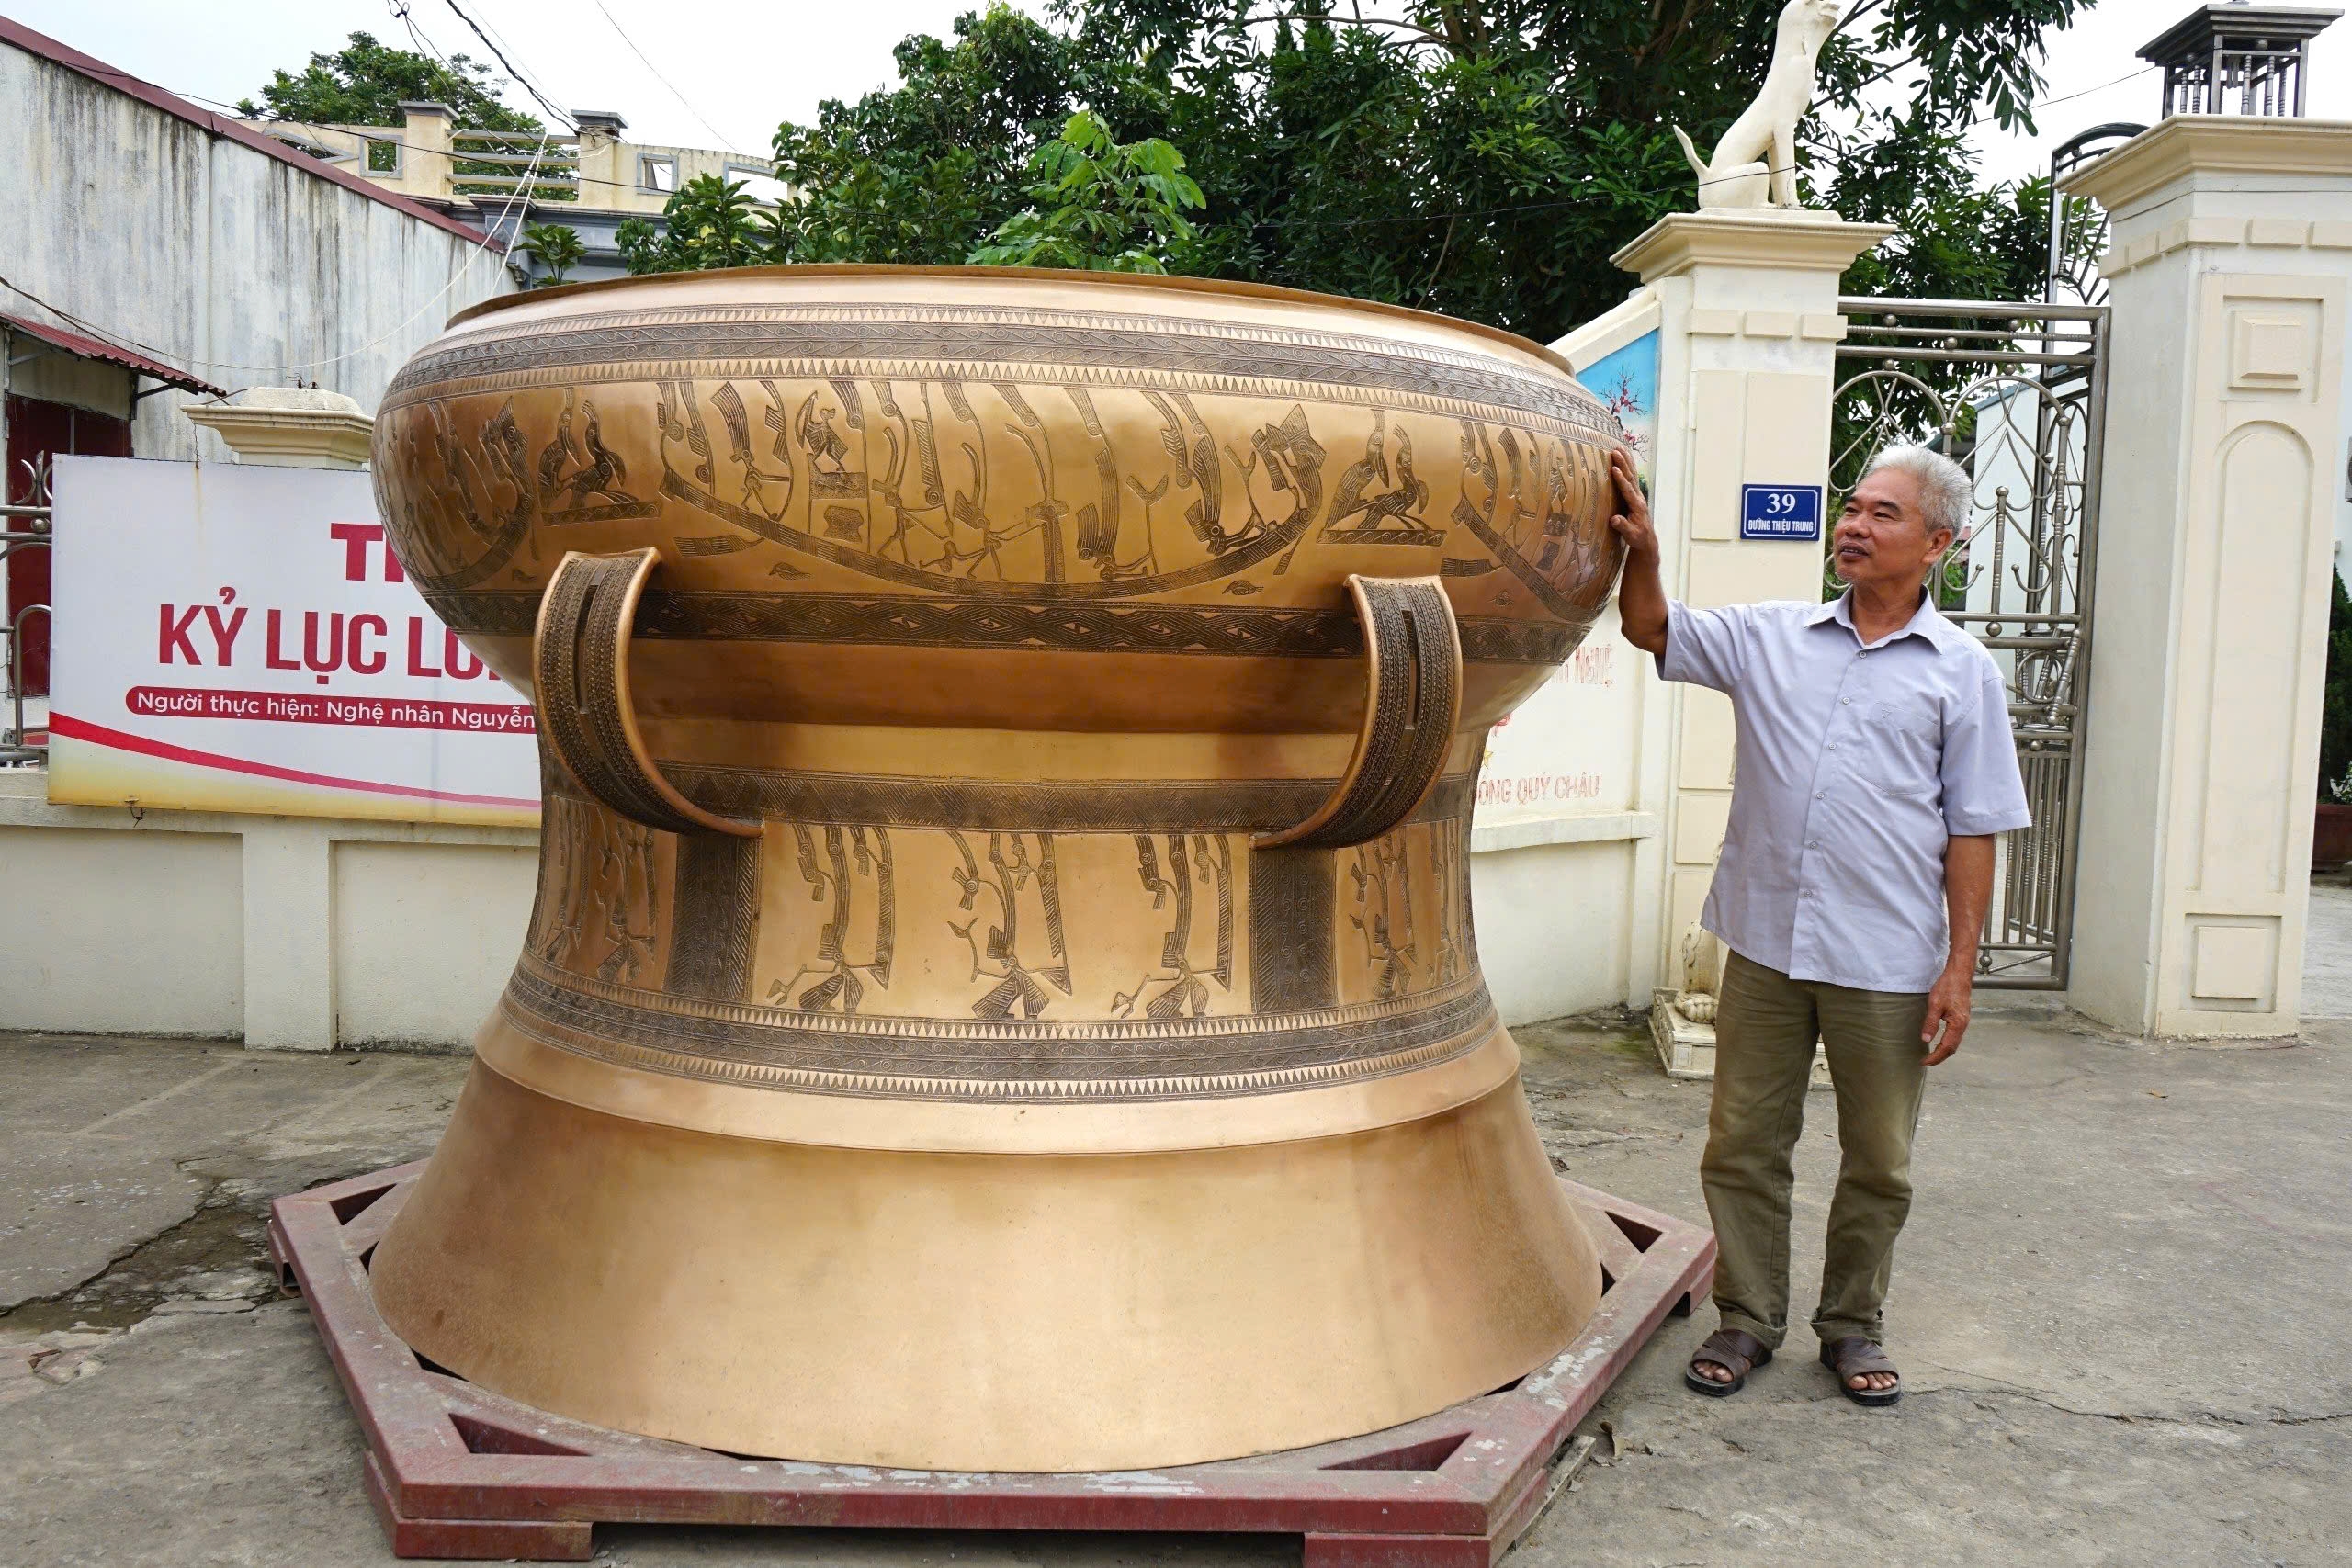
x: 1961, y: 966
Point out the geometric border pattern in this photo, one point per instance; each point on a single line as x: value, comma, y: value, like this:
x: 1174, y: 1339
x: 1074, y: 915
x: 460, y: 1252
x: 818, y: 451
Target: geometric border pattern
x: 982, y: 343
x: 994, y: 1062
x: 910, y: 621
x: 457, y: 1471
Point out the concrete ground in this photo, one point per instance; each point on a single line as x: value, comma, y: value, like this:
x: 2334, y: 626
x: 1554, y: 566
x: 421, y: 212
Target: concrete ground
x: 2327, y: 947
x: 2120, y: 1308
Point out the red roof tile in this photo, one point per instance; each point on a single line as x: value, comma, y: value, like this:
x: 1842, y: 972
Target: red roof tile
x: 91, y: 348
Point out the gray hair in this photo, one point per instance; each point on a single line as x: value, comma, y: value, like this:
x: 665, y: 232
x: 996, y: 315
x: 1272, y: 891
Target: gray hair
x: 1946, y: 492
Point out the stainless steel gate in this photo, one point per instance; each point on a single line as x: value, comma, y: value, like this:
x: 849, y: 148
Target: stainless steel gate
x: 2017, y: 393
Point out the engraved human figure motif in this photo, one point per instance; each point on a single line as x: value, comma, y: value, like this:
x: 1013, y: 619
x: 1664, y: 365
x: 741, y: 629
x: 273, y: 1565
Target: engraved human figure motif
x: 603, y: 871
x: 836, y: 489
x: 757, y: 482
x: 679, y: 418
x: 562, y: 914
x: 907, y: 439
x: 974, y: 538
x: 858, y: 942
x: 1044, y: 516
x: 1285, y: 464
x: 1198, y: 864
x: 625, y: 882
x: 1559, y: 527
x: 1445, y: 855
x: 1540, y: 543
x: 1383, y: 915
x: 1098, y: 533
x: 1011, y: 880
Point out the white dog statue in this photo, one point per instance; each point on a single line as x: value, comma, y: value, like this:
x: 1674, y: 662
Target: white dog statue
x: 1756, y: 163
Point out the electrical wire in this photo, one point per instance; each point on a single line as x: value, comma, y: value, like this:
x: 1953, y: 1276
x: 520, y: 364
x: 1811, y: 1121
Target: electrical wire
x: 512, y: 69
x: 657, y: 73
x: 2102, y: 87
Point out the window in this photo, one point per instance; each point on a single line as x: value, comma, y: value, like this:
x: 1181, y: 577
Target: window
x: 759, y: 182
x: 658, y: 173
x: 383, y: 157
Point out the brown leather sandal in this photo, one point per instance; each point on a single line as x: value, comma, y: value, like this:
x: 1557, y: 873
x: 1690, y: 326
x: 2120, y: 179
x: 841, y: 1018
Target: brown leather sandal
x: 1737, y: 1351
x: 1850, y: 1358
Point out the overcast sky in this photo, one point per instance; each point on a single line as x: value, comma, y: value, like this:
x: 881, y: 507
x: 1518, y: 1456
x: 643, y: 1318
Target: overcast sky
x: 739, y: 66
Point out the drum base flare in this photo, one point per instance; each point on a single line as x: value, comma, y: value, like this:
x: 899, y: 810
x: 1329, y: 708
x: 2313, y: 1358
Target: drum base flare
x: 455, y: 1471
x: 952, y: 1310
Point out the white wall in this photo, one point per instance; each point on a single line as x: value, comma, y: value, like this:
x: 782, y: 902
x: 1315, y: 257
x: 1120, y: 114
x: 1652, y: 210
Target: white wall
x: 424, y: 936
x: 1553, y: 920
x: 121, y: 932
x: 215, y: 255
x: 293, y: 933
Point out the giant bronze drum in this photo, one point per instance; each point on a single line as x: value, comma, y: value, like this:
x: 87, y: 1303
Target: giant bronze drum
x: 1002, y: 992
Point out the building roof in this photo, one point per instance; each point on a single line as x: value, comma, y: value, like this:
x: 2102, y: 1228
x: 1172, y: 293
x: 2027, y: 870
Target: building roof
x: 91, y: 348
x: 49, y: 49
x: 2194, y: 35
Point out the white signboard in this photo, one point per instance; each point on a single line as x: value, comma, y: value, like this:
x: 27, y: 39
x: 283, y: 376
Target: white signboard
x: 1568, y: 750
x: 231, y: 638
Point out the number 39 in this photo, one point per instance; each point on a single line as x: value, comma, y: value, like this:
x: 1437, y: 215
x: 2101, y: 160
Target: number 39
x: 1779, y: 502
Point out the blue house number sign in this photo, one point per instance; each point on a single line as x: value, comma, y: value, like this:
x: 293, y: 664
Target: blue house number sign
x: 1780, y: 512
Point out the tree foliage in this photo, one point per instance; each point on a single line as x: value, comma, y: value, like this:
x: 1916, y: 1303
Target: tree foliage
x: 2336, y: 707
x: 707, y: 222
x: 365, y: 83
x: 558, y: 248
x: 1479, y: 157
x: 1099, y: 204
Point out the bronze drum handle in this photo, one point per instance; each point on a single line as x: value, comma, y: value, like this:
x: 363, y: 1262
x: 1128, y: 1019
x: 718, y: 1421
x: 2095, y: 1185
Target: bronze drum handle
x: 1413, y: 665
x: 580, y: 656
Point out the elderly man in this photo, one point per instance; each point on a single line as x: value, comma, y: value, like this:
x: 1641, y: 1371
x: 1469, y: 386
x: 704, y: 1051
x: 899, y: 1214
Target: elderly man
x: 1874, y: 767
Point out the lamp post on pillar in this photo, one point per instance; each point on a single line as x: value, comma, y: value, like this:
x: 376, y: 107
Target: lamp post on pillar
x: 2237, y: 59
x: 2231, y: 249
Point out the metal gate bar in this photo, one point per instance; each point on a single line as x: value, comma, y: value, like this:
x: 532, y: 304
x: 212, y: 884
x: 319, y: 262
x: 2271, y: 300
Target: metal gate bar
x: 2017, y: 393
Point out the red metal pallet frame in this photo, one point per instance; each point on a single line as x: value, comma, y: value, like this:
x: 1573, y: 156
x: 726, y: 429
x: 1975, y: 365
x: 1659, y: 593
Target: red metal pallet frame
x: 456, y: 1471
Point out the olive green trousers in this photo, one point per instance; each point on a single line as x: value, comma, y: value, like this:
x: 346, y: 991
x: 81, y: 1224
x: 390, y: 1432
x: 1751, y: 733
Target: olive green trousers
x: 1766, y: 1025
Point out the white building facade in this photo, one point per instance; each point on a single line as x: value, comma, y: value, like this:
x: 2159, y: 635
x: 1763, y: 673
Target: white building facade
x: 157, y: 256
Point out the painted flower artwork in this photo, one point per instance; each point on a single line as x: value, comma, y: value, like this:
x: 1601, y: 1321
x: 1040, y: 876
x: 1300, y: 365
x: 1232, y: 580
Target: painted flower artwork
x: 1626, y: 379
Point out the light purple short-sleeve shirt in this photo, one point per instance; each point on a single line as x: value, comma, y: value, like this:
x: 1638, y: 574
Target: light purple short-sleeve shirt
x: 1856, y: 764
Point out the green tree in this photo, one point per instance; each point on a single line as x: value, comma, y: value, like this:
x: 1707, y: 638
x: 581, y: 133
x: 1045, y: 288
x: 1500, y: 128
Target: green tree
x: 1480, y: 157
x: 923, y: 173
x: 707, y: 222
x: 2335, y: 705
x: 365, y: 83
x: 556, y: 247
x: 1098, y: 205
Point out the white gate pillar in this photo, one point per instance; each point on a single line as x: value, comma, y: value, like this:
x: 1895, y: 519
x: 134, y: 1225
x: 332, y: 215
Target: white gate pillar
x: 1748, y: 328
x: 2231, y: 246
